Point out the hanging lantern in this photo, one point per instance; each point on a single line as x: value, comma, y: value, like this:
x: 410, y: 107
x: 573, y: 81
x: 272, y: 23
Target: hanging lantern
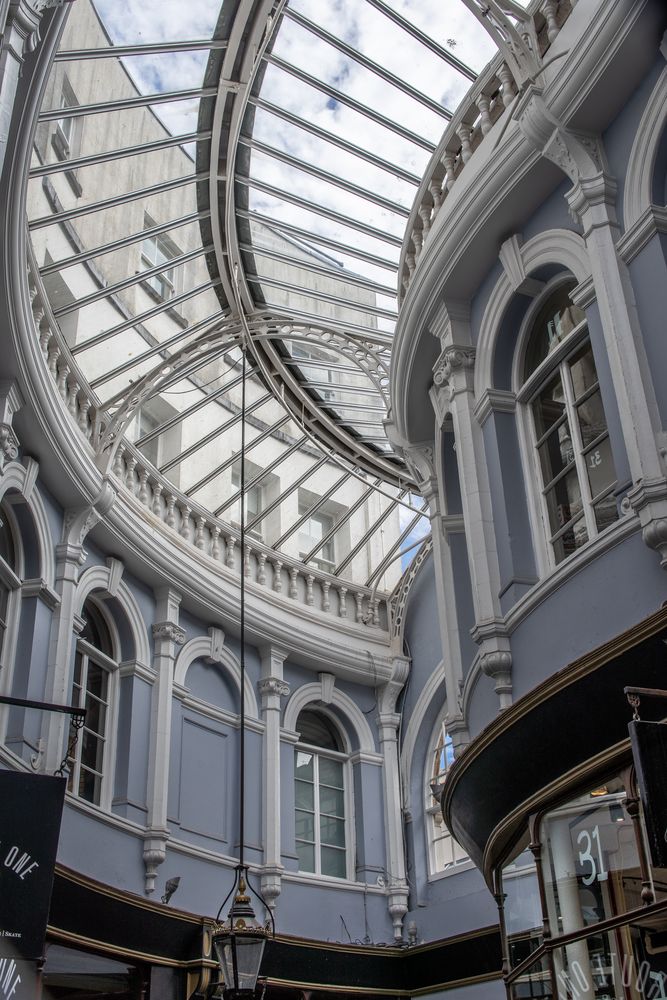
x: 239, y: 946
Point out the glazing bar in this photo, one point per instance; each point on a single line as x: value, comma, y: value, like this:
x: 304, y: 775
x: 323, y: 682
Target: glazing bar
x: 424, y: 39
x: 150, y: 48
x: 125, y: 103
x: 60, y: 166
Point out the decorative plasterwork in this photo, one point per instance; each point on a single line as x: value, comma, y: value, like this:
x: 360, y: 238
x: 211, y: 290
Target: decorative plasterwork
x: 273, y: 685
x: 454, y: 361
x: 312, y: 694
x: 169, y: 631
x: 514, y: 267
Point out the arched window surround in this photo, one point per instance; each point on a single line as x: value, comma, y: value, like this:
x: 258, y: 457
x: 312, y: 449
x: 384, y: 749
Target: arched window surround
x: 444, y: 854
x: 525, y: 390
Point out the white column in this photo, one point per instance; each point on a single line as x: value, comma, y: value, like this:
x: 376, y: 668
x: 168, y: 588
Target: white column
x: 388, y: 721
x: 167, y: 637
x: 272, y: 688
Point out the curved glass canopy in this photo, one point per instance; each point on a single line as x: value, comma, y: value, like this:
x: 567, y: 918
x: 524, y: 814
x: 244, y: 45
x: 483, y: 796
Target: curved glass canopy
x: 244, y: 178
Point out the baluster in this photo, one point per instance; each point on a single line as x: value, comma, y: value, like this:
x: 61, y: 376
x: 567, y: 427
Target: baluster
x: 277, y: 576
x: 215, y: 542
x: 448, y: 161
x: 342, y: 605
x: 507, y: 85
x: 118, y: 465
x: 261, y: 571
x: 199, y: 535
x: 549, y: 9
x: 293, y: 573
x: 44, y: 336
x: 129, y: 473
x: 375, y: 608
x: 171, y: 516
x: 417, y: 242
x: 410, y: 261
x: 425, y: 215
x: 463, y: 131
x: 97, y: 428
x: 72, y: 393
x: 144, y: 492
x: 359, y: 597
x: 157, y: 493
x: 184, y: 530
x: 484, y: 106
x: 246, y: 561
x: 309, y: 589
x: 230, y: 542
x: 84, y: 407
x: 435, y: 187
x: 61, y: 381
x: 326, y: 603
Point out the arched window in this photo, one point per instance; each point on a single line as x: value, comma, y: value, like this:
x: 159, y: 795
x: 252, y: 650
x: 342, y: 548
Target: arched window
x: 92, y: 689
x: 320, y: 782
x: 568, y: 428
x: 445, y: 852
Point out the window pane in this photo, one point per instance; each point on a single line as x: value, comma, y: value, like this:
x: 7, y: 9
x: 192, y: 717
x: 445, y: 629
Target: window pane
x: 549, y: 406
x: 305, y: 825
x: 556, y: 452
x: 303, y: 765
x: 306, y: 856
x: 92, y: 750
x: 332, y: 801
x: 332, y: 831
x: 571, y: 540
x: 582, y: 370
x: 591, y: 416
x: 90, y: 786
x: 555, y: 320
x: 97, y: 681
x: 333, y: 862
x: 331, y: 772
x: 600, y: 467
x: 303, y: 795
x: 95, y: 715
x: 606, y: 512
x: 564, y: 500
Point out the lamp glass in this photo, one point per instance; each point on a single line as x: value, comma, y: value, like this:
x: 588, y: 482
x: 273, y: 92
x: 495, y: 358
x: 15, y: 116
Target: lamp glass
x: 239, y: 953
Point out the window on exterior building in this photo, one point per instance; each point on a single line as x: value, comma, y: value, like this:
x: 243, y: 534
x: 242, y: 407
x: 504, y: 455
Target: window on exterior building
x: 314, y: 531
x: 319, y: 793
x: 156, y: 251
x: 94, y: 669
x: 8, y: 581
x: 254, y: 495
x: 569, y: 429
x: 66, y: 137
x: 445, y: 852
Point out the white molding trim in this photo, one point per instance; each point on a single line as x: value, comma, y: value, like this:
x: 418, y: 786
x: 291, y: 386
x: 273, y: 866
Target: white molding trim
x: 641, y: 162
x: 494, y: 401
x: 217, y: 714
x: 100, y: 578
x: 209, y: 647
x: 428, y: 693
x: 553, y: 246
x: 310, y: 693
x: 21, y: 478
x: 653, y: 220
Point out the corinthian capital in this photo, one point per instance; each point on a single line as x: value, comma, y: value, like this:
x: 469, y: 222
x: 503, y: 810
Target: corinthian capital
x: 170, y: 631
x: 454, y: 368
x: 273, y: 685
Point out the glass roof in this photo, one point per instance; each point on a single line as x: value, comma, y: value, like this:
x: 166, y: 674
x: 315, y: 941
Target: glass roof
x: 244, y: 176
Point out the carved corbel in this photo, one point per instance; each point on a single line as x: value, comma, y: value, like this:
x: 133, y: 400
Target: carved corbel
x: 155, y: 852
x: 169, y: 631
x: 497, y: 664
x: 79, y: 521
x: 511, y: 258
x: 11, y: 400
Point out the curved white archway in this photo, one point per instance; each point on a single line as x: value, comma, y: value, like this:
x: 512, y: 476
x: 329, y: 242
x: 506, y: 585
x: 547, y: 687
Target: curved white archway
x: 21, y: 478
x: 641, y: 163
x: 207, y: 646
x: 100, y: 578
x: 310, y: 693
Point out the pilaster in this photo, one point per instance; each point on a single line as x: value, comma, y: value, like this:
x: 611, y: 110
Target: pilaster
x: 168, y: 636
x: 272, y: 688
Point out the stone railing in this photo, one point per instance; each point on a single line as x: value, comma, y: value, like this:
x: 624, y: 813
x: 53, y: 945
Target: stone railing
x: 487, y: 100
x: 210, y: 536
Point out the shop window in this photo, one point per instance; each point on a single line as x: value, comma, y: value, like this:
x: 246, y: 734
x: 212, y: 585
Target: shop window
x: 157, y: 251
x: 570, y: 441
x: 92, y: 688
x: 445, y: 852
x: 320, y: 784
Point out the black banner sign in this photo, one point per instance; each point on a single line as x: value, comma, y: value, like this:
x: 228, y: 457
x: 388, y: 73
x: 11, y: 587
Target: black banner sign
x: 649, y: 750
x: 30, y: 812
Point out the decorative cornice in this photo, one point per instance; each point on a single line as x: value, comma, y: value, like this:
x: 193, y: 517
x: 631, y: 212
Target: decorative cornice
x: 170, y: 631
x: 133, y: 668
x: 651, y: 222
x: 585, y: 293
x: 39, y: 588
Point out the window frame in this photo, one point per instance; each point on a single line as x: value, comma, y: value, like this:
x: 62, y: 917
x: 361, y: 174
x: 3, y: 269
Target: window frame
x: 527, y: 391
x: 436, y: 829
x: 348, y: 800
x: 110, y: 665
x: 11, y: 577
x: 156, y: 283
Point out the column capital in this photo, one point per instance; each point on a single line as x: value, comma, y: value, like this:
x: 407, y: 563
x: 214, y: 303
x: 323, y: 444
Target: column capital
x: 169, y: 631
x: 269, y: 687
x: 455, y: 368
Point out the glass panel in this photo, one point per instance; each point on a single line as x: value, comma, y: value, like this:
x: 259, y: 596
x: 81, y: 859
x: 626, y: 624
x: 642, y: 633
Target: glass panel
x: 303, y: 766
x: 333, y: 862
x: 331, y: 772
x: 90, y: 786
x: 306, y: 855
x: 305, y: 825
x: 556, y: 452
x: 97, y: 681
x: 591, y: 866
x: 592, y: 420
x: 564, y: 500
x: 332, y: 831
x: 304, y: 795
x: 596, y: 969
x: 582, y: 371
x: 606, y: 512
x: 571, y: 540
x: 549, y: 406
x: 332, y: 801
x: 555, y: 320
x: 600, y: 467
x: 522, y: 907
x: 92, y: 751
x: 535, y: 982
x: 95, y: 716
